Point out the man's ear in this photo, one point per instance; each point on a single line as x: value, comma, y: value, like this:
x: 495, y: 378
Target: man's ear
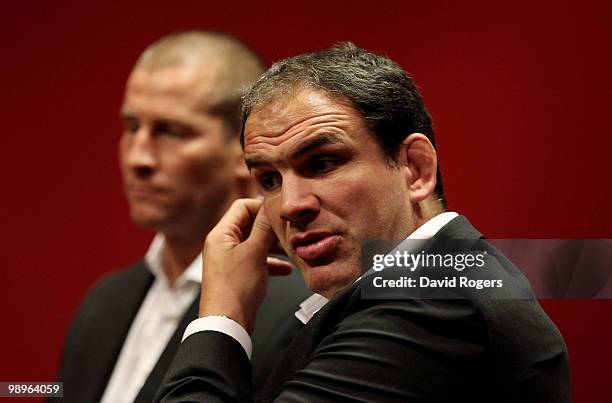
x: 240, y: 169
x: 417, y: 157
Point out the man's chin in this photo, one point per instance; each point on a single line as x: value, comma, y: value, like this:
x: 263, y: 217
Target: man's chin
x: 327, y: 279
x: 148, y: 220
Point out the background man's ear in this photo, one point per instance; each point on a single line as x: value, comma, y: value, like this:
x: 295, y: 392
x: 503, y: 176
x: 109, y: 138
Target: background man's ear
x: 241, y: 171
x: 246, y: 186
x: 418, y: 158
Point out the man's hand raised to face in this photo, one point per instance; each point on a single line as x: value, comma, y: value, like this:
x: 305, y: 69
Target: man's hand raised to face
x: 236, y: 263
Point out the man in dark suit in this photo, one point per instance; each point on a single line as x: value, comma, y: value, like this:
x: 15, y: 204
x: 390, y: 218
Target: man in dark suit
x: 182, y: 167
x: 341, y: 145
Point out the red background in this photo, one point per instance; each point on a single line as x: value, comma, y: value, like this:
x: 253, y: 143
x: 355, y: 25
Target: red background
x: 520, y: 95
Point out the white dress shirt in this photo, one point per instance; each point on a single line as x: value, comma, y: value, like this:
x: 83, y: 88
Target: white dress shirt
x: 311, y: 305
x: 155, y: 323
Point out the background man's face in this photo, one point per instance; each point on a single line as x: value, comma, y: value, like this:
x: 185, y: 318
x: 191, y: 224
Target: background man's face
x: 177, y: 164
x: 327, y: 186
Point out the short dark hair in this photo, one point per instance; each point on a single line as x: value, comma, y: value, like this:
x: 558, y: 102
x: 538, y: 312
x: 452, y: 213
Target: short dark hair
x: 239, y: 66
x: 378, y: 87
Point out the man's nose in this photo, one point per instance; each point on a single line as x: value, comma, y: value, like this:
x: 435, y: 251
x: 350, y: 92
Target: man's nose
x: 141, y: 153
x: 299, y: 204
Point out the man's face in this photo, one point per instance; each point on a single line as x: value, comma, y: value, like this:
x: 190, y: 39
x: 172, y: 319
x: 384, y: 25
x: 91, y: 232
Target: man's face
x: 177, y: 165
x: 327, y: 186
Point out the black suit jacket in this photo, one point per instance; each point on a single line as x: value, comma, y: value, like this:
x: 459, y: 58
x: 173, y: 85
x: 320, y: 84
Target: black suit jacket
x: 98, y: 331
x: 370, y: 350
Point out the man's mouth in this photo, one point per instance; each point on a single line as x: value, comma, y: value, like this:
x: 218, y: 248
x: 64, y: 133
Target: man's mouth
x: 143, y: 191
x: 315, y: 246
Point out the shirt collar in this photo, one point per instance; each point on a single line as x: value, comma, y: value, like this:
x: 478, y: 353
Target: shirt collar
x: 153, y: 259
x: 421, y: 235
x: 315, y: 302
x: 431, y: 227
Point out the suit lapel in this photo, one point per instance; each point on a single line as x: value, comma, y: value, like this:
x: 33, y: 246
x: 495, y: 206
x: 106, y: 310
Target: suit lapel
x: 305, y: 342
x: 115, y: 323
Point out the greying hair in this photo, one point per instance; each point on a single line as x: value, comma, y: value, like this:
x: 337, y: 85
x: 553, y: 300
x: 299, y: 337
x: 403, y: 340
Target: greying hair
x: 378, y: 87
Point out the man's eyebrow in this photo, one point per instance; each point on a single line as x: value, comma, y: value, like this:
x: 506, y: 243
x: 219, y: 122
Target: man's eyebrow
x: 304, y: 148
x: 125, y: 114
x: 311, y: 144
x: 254, y: 162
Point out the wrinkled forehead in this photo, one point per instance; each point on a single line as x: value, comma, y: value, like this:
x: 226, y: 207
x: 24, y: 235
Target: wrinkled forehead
x: 290, y: 112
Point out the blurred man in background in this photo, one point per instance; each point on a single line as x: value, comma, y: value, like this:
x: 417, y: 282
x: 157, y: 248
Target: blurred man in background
x: 182, y: 167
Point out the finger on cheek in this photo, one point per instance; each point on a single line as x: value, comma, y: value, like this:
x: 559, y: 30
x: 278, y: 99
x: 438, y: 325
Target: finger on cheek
x: 278, y: 267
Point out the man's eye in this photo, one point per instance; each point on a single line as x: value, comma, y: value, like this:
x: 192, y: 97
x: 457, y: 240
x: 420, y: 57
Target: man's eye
x: 131, y: 126
x: 172, y: 130
x: 172, y: 134
x: 269, y: 181
x: 322, y: 165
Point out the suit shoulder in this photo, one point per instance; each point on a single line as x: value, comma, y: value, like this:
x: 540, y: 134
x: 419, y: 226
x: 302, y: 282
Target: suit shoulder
x: 112, y: 291
x: 120, y: 280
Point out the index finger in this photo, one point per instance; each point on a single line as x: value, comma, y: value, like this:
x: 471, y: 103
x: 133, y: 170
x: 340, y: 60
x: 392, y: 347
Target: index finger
x: 239, y: 218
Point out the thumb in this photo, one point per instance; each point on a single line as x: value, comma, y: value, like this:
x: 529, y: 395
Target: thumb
x: 262, y: 234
